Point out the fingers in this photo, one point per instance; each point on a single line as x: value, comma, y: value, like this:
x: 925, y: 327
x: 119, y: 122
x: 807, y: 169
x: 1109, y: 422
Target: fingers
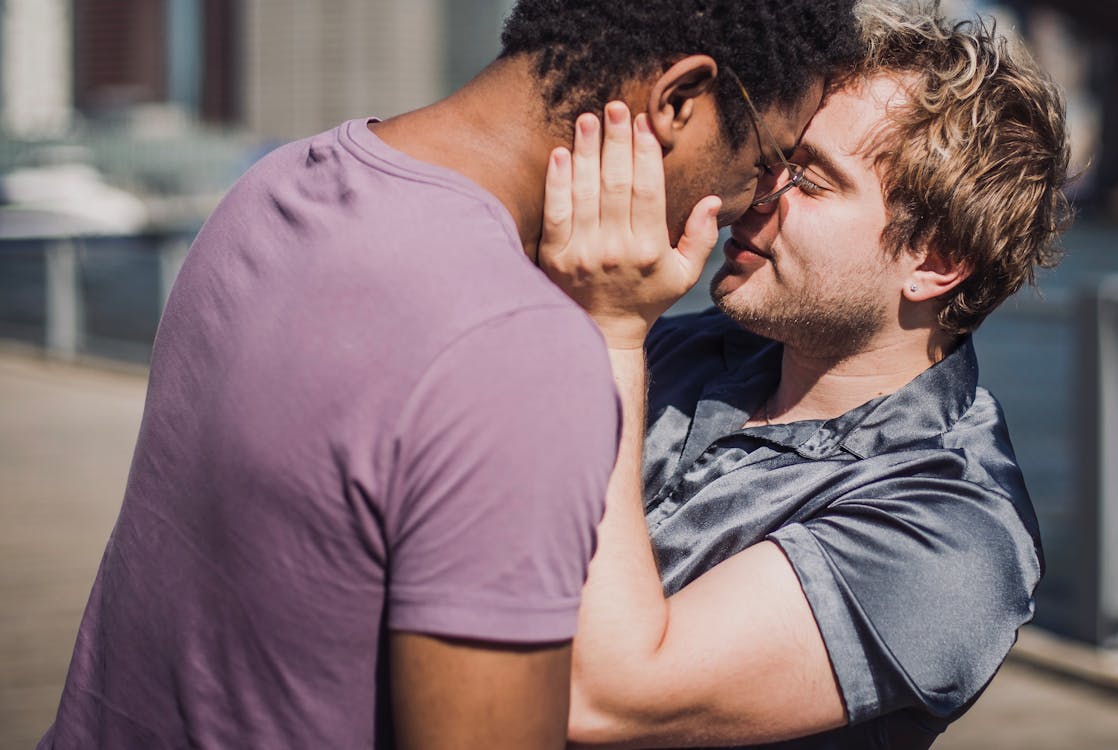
x: 557, y: 202
x: 648, y: 203
x: 605, y: 240
x: 587, y: 181
x: 617, y: 166
x: 700, y: 234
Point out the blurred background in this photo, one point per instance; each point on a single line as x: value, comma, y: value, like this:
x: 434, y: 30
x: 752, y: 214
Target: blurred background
x: 122, y: 123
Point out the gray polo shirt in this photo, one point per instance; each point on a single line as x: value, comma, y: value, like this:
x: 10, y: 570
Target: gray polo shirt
x: 906, y: 519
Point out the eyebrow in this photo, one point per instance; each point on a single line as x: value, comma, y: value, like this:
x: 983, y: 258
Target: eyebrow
x: 815, y: 156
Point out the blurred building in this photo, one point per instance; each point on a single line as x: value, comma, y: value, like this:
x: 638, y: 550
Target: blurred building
x: 279, y: 68
x: 35, y: 66
x: 307, y: 66
x: 1076, y: 41
x: 137, y: 52
x: 172, y: 99
x: 310, y: 65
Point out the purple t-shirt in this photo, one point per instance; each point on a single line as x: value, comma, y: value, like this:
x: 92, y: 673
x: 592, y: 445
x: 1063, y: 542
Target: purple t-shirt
x: 367, y: 411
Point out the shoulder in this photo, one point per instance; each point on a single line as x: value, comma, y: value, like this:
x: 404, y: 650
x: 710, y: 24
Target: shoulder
x: 554, y: 330
x: 982, y: 434
x: 978, y: 445
x: 915, y: 546
x: 982, y: 437
x: 965, y: 484
x: 346, y: 177
x: 545, y: 362
x: 951, y: 523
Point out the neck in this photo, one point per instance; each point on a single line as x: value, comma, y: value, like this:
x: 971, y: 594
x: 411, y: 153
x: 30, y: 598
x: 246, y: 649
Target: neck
x: 491, y: 132
x: 813, y: 387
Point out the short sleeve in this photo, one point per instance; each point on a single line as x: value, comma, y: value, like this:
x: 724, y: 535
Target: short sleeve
x: 504, y: 449
x: 918, y: 584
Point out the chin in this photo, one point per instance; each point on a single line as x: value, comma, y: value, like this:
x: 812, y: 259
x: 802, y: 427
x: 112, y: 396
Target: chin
x: 737, y: 310
x: 724, y: 282
x: 729, y: 283
x: 740, y: 306
x: 741, y: 315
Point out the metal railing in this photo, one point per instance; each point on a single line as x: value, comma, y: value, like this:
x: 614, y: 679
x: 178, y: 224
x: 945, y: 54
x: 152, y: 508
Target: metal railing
x: 99, y: 296
x: 1096, y: 613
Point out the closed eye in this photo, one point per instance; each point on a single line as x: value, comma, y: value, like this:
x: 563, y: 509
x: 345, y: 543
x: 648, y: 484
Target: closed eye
x: 809, y: 187
x: 805, y: 183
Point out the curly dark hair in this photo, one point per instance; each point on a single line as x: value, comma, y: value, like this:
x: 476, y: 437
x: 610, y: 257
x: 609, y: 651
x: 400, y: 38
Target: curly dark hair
x: 587, y: 49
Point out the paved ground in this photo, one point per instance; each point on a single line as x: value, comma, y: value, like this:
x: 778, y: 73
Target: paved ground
x: 66, y: 437
x: 1026, y: 709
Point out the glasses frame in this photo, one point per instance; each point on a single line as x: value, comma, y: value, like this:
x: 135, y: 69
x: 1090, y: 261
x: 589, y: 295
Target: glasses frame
x: 795, y: 171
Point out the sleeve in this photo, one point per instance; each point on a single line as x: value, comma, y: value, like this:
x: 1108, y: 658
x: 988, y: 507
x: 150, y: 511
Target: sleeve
x: 918, y: 584
x: 505, y: 448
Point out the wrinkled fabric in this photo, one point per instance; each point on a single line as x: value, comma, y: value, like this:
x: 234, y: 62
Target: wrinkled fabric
x: 906, y: 519
x: 349, y: 391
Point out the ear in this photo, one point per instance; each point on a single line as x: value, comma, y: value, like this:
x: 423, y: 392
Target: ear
x: 671, y: 101
x: 935, y: 276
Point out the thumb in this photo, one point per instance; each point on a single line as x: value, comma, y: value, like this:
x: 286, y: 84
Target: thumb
x: 700, y: 234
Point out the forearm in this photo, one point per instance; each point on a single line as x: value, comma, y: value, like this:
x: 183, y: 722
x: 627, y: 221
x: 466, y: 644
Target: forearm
x: 734, y: 658
x: 624, y: 614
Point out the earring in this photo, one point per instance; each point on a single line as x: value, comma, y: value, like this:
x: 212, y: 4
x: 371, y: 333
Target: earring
x: 912, y: 287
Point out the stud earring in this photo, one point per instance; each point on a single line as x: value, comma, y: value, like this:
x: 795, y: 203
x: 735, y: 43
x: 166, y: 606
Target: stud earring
x: 912, y: 287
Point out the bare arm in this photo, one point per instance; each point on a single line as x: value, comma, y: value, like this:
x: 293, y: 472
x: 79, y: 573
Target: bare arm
x: 735, y: 657
x: 469, y: 695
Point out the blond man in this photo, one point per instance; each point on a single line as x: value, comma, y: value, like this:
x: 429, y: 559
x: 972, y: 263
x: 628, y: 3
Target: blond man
x: 844, y: 541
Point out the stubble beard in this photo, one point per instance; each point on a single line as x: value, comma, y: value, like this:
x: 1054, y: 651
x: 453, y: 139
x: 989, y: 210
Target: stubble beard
x: 830, y: 323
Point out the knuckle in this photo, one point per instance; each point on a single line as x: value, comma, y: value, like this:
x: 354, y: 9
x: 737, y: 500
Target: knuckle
x: 554, y: 227
x: 647, y: 259
x: 645, y: 191
x: 615, y: 187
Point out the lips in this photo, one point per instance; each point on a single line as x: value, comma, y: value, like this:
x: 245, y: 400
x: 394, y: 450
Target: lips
x: 736, y: 248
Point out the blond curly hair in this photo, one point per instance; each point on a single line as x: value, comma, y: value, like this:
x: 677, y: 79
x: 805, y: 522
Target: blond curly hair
x: 974, y: 165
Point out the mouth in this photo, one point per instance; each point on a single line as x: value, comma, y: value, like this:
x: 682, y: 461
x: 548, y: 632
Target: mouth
x: 738, y: 249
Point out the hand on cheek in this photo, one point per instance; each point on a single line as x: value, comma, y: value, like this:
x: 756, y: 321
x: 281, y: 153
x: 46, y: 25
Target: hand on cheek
x: 605, y: 238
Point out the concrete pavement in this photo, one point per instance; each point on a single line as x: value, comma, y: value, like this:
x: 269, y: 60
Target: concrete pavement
x: 66, y: 439
x: 1028, y: 709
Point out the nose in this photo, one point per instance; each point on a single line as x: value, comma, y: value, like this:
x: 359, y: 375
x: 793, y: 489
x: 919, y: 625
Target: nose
x: 760, y: 225
x: 757, y: 225
x: 775, y: 183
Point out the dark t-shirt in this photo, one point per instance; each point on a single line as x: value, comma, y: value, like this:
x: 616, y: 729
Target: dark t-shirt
x: 367, y: 410
x: 906, y: 520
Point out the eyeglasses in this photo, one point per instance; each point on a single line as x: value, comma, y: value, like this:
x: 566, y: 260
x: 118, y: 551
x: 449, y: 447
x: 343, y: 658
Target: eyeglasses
x: 770, y: 189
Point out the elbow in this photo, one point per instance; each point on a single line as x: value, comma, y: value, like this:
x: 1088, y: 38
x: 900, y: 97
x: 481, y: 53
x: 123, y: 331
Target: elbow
x: 619, y: 696
x: 613, y: 715
x: 590, y: 722
x: 605, y: 715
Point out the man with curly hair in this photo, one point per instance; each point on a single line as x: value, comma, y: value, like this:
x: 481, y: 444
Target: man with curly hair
x: 377, y: 439
x: 842, y: 545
